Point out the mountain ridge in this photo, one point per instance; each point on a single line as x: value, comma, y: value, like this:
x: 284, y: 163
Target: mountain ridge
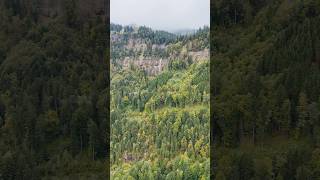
x: 152, y: 50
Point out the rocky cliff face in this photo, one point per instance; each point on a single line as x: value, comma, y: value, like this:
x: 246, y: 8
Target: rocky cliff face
x: 152, y: 66
x: 137, y: 48
x: 199, y: 55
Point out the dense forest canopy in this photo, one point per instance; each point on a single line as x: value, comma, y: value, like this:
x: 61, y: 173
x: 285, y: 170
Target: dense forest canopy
x: 53, y: 95
x: 265, y: 89
x: 159, y: 122
x: 265, y: 83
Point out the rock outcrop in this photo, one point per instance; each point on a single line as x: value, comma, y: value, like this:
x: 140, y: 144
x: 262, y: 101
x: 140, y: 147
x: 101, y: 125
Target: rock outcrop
x: 199, y: 55
x: 151, y: 65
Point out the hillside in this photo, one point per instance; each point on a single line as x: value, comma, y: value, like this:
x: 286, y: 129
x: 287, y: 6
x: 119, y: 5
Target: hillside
x: 45, y: 9
x: 265, y: 89
x: 159, y: 121
x: 154, y: 50
x: 53, y: 97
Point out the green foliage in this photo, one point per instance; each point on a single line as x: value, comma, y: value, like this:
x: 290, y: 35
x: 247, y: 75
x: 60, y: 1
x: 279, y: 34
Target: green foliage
x: 53, y: 87
x: 265, y: 89
x: 160, y: 123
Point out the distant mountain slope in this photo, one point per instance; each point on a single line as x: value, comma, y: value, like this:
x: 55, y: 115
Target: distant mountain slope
x: 184, y: 31
x: 153, y: 50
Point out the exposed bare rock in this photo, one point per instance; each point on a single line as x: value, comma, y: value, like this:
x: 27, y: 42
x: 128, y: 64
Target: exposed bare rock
x: 154, y: 66
x: 151, y: 66
x: 200, y: 55
x: 133, y: 50
x: 136, y: 45
x: 156, y: 46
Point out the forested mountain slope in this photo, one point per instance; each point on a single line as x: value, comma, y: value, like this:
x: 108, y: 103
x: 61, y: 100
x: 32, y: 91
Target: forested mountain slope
x: 266, y: 78
x: 53, y: 106
x: 160, y: 122
x: 154, y: 50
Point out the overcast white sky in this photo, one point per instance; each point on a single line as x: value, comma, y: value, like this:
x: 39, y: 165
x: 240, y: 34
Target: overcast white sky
x: 161, y: 14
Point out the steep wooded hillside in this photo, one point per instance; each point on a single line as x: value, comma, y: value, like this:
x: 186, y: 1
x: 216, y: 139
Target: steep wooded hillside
x: 46, y: 9
x: 53, y: 106
x: 159, y: 121
x: 265, y: 89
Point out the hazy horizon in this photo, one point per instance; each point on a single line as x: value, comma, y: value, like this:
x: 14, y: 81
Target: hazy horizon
x: 165, y: 15
x: 170, y: 30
